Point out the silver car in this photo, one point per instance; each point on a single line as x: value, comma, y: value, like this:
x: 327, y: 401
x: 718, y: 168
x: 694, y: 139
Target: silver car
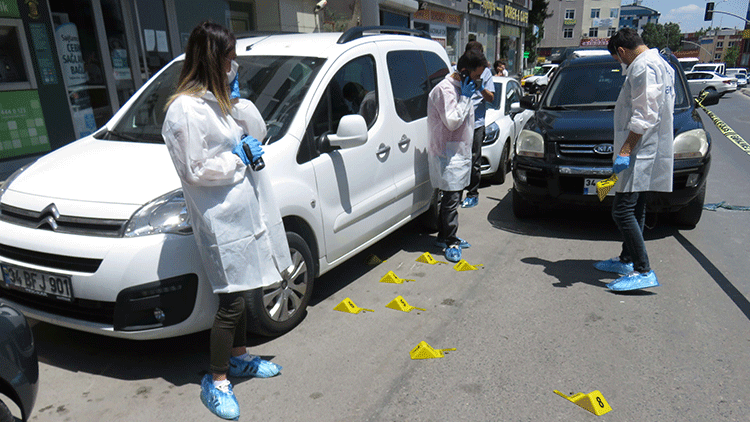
x: 711, y: 82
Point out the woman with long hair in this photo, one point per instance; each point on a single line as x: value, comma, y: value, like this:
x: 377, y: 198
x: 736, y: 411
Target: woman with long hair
x: 235, y: 220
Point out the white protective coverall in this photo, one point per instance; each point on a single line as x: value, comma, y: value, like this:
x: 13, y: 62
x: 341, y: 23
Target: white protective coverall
x: 235, y: 219
x: 646, y: 106
x: 450, y: 121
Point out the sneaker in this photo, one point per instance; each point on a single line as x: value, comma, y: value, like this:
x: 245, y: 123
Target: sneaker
x: 470, y: 201
x: 634, y: 281
x: 252, y: 367
x: 464, y: 244
x: 453, y: 254
x: 220, y: 401
x: 614, y: 265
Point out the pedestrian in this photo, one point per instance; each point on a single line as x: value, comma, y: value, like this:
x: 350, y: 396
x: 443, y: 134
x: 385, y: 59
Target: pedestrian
x: 499, y: 68
x: 485, y: 92
x: 237, y: 225
x: 450, y: 118
x: 643, y: 156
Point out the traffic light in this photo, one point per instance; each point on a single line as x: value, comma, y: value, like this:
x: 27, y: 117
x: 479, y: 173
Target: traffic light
x: 709, y: 12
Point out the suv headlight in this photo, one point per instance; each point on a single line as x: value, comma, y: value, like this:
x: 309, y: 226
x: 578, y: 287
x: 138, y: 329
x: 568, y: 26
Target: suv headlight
x: 6, y: 184
x: 165, y: 214
x: 691, y: 144
x: 491, y: 133
x: 530, y: 144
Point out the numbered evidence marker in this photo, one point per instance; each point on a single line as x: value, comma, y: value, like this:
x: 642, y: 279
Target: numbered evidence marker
x: 348, y: 306
x: 400, y: 304
x: 425, y: 351
x: 593, y: 402
x: 391, y: 277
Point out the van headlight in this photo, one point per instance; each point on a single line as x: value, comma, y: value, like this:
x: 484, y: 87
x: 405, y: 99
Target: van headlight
x: 530, y: 144
x: 165, y: 214
x: 691, y: 144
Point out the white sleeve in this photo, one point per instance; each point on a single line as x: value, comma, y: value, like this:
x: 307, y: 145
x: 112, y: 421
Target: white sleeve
x: 453, y: 111
x: 647, y: 94
x: 248, y: 117
x: 185, y: 131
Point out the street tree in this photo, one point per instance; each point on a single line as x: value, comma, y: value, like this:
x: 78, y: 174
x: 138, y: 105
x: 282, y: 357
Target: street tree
x: 659, y: 36
x: 537, y: 15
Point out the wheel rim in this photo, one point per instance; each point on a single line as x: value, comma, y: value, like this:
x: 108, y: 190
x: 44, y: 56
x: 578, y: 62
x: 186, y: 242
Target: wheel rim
x: 283, y: 299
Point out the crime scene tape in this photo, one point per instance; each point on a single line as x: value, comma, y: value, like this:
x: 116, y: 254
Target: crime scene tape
x: 723, y: 127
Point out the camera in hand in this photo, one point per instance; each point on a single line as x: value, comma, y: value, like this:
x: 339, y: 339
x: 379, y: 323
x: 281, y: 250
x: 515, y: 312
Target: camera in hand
x: 256, y: 165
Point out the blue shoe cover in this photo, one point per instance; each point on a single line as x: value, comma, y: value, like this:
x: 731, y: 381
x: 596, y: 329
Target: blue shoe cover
x: 634, y: 281
x: 221, y: 403
x: 255, y: 367
x: 453, y: 254
x: 470, y: 201
x: 614, y: 265
x: 464, y: 244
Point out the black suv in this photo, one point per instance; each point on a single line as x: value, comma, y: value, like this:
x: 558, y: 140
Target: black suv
x: 567, y: 146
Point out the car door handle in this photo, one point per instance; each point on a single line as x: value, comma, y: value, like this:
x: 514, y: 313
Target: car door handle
x: 404, y: 141
x: 383, y: 149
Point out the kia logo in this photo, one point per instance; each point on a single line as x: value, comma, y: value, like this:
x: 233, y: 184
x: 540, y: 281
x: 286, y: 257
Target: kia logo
x: 604, y: 149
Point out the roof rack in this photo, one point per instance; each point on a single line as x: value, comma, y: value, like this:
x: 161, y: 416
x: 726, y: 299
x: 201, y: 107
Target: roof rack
x: 358, y: 32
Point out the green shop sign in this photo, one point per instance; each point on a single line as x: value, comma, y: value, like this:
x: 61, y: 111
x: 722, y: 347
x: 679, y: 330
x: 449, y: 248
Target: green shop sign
x: 22, y: 127
x: 9, y: 9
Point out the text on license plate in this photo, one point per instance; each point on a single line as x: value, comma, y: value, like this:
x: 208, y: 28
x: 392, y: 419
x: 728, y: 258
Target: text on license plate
x: 41, y: 283
x: 589, y: 187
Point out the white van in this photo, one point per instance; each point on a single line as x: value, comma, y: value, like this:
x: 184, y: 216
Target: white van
x: 720, y: 68
x: 687, y: 63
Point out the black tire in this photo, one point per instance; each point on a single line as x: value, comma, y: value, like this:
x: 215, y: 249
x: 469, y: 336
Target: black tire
x: 5, y: 415
x: 429, y: 220
x: 276, y: 309
x: 503, y: 166
x: 523, y: 208
x: 690, y: 214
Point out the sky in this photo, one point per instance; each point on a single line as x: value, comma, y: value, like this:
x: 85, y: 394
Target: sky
x: 689, y: 13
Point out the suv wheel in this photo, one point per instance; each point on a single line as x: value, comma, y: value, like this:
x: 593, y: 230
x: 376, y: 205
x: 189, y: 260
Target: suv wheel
x: 276, y: 309
x: 521, y: 207
x: 5, y: 415
x: 690, y: 214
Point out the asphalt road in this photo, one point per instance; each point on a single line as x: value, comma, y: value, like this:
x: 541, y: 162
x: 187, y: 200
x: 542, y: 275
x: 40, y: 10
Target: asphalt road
x: 536, y: 317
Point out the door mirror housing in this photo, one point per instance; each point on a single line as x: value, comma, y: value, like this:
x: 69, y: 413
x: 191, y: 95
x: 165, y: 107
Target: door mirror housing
x: 352, y: 132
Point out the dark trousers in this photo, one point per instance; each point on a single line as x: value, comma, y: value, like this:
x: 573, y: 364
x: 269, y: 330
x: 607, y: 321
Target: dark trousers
x: 448, y: 220
x: 629, y: 213
x: 476, y: 159
x: 229, y: 330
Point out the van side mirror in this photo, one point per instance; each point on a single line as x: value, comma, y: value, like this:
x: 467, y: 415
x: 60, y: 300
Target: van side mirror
x: 352, y: 132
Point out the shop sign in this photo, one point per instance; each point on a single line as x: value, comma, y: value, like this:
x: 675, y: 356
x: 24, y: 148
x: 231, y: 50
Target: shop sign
x: 515, y: 14
x: 435, y: 16
x: 71, y: 58
x: 438, y: 31
x: 594, y: 42
x: 569, y: 22
x: 9, y: 9
x: 22, y: 127
x: 120, y: 64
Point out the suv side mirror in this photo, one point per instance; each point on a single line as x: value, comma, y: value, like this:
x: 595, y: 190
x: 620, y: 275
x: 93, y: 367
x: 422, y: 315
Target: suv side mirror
x: 708, y: 98
x: 352, y: 132
x: 527, y: 102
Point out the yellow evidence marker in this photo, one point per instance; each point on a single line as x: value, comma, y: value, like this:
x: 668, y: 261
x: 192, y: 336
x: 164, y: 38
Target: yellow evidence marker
x: 428, y: 259
x: 462, y: 265
x: 391, y: 277
x: 373, y: 260
x: 400, y: 304
x: 425, y: 351
x: 348, y: 306
x: 593, y: 402
x: 604, y: 186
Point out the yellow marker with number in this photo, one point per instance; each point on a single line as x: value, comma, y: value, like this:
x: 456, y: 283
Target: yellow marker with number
x: 594, y: 402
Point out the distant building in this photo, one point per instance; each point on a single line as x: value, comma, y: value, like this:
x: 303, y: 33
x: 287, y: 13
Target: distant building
x: 636, y: 16
x: 579, y: 23
x: 715, y: 44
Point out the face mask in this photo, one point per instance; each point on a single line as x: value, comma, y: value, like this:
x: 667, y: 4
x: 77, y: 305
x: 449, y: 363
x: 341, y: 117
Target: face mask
x: 232, y: 74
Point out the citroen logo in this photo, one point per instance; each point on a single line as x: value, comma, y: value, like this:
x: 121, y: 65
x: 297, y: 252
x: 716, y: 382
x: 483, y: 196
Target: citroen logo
x: 49, y: 216
x: 604, y: 149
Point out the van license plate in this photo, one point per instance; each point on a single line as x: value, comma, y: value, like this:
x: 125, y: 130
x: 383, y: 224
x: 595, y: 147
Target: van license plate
x: 37, y: 282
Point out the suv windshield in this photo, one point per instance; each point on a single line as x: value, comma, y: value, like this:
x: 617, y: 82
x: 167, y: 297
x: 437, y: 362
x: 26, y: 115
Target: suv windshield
x: 276, y: 85
x: 595, y: 85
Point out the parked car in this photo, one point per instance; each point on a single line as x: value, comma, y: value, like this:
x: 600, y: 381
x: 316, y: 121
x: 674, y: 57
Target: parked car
x: 711, y: 82
x: 740, y: 74
x: 567, y: 146
x: 19, y: 367
x: 503, y: 122
x: 539, y: 79
x: 95, y: 236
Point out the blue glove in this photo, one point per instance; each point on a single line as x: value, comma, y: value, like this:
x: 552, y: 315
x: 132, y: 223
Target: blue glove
x: 621, y: 163
x: 255, y: 149
x: 234, y: 88
x: 468, y: 87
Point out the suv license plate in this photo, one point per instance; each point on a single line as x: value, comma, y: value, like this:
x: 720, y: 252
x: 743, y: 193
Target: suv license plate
x: 589, y: 187
x: 44, y: 284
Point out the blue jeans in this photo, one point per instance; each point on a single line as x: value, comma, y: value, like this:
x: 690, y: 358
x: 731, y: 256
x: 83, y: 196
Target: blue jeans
x: 629, y: 213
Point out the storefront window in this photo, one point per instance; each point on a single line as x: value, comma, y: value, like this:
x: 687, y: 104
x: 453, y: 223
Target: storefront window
x: 118, y: 49
x: 78, y: 52
x: 12, y: 69
x: 152, y: 26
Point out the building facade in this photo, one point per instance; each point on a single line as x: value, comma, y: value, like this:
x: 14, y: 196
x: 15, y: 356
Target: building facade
x: 715, y: 44
x: 579, y: 23
x: 636, y: 16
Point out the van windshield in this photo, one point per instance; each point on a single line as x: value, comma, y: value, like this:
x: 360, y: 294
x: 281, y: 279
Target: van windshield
x: 276, y: 85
